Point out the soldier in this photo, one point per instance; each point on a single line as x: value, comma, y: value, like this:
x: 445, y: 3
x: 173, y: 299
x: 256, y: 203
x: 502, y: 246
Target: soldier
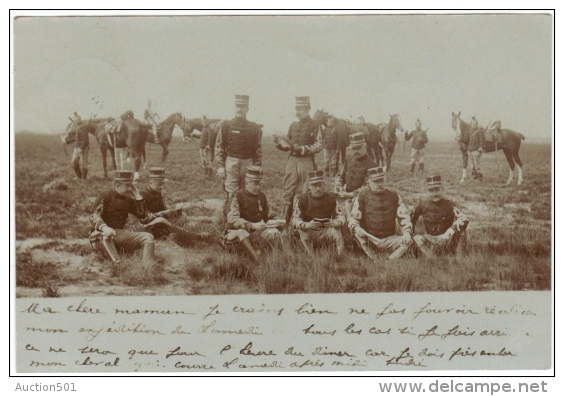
x: 109, y: 214
x: 317, y: 216
x: 76, y: 118
x: 329, y: 137
x: 248, y: 226
x: 151, y: 118
x: 303, y: 141
x: 475, y: 144
x: 353, y: 174
x: 79, y: 159
x: 161, y: 225
x: 444, y: 222
x: 207, y: 145
x: 238, y: 146
x: 417, y: 146
x: 373, y: 218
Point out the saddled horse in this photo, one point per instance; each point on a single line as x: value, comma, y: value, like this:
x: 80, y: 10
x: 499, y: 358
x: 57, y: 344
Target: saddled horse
x: 132, y: 132
x: 164, y: 131
x: 496, y: 139
x: 207, y: 154
x: 389, y: 139
x: 342, y: 129
x: 191, y: 124
x: 96, y: 127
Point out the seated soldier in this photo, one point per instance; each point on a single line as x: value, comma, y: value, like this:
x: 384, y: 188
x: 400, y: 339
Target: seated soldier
x: 373, y: 218
x: 109, y: 214
x: 353, y: 174
x: 444, y: 222
x: 317, y: 216
x: 161, y: 226
x: 248, y: 226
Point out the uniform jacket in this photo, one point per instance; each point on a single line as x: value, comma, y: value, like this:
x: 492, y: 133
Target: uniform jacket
x: 439, y: 216
x: 240, y: 139
x: 305, y: 136
x: 329, y: 137
x: 82, y: 139
x: 377, y: 213
x: 307, y: 208
x: 112, y: 209
x: 153, y: 200
x: 419, y: 138
x: 246, y: 209
x: 353, y: 174
x: 209, y: 136
x: 477, y: 140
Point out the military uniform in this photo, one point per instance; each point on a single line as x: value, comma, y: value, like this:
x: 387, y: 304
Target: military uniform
x: 306, y: 140
x: 79, y: 159
x: 245, y: 210
x: 112, y: 209
x: 445, y: 223
x: 207, y: 145
x: 353, y: 174
x: 475, y: 144
x: 325, y: 207
x: 238, y: 146
x: 150, y: 117
x: 329, y: 138
x: 376, y: 214
x: 417, y: 146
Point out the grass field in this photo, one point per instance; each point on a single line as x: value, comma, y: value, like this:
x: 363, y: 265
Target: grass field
x: 509, y: 231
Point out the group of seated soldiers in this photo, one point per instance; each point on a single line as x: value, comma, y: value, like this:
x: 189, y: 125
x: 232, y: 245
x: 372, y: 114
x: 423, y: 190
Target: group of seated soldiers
x: 360, y: 203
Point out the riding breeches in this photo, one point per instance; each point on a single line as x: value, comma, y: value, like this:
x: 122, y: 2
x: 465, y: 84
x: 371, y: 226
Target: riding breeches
x: 296, y: 176
x: 330, y: 157
x: 476, y: 157
x: 417, y: 155
x: 235, y: 171
x: 80, y: 156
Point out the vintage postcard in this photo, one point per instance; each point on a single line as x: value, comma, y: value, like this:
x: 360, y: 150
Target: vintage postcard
x: 282, y: 193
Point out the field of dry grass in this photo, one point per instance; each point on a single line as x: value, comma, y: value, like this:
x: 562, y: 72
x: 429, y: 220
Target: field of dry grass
x: 509, y: 231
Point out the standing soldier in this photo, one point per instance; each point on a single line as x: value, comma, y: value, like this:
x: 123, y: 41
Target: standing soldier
x: 303, y: 141
x: 238, y: 146
x: 109, y: 214
x: 329, y: 137
x: 417, y: 146
x: 317, y: 216
x: 475, y: 144
x: 373, y: 218
x: 354, y: 172
x: 248, y: 226
x: 207, y: 146
x: 79, y: 159
x: 161, y: 225
x: 151, y: 118
x: 444, y: 222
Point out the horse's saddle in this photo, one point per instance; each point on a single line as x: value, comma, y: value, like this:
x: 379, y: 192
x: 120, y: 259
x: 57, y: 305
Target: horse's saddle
x: 113, y: 126
x: 491, y: 135
x: 113, y: 132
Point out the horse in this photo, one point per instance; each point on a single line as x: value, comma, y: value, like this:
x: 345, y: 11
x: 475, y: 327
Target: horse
x: 388, y: 139
x: 190, y: 124
x: 164, y: 132
x: 503, y: 139
x: 96, y: 127
x: 342, y: 129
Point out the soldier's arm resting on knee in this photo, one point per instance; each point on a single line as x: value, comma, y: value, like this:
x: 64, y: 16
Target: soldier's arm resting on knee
x: 234, y: 219
x: 96, y: 218
x: 355, y: 217
x: 460, y: 220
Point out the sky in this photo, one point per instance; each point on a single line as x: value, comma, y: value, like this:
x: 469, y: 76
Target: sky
x: 418, y: 66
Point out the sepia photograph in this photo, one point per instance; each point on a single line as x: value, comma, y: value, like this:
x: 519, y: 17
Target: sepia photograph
x: 232, y: 192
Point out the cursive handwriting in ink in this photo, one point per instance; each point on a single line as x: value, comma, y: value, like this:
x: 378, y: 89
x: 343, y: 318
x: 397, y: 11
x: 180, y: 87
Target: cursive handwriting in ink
x: 179, y: 352
x: 83, y: 308
x: 426, y: 309
x: 35, y: 306
x: 213, y: 311
x: 389, y: 311
x: 305, y: 309
x: 318, y: 332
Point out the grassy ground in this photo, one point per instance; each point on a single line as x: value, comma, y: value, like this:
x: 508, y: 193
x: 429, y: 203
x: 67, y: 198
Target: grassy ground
x: 509, y: 231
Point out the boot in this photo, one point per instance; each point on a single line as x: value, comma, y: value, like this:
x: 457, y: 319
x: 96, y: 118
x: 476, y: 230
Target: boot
x: 84, y: 173
x: 110, y: 249
x: 77, y: 170
x: 412, y: 168
x: 287, y: 211
x: 463, y: 176
x: 398, y: 252
x: 255, y: 254
x: 149, y: 258
x: 421, y: 167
